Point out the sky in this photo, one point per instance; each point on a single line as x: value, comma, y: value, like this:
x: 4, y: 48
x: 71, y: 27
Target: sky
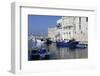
x: 39, y: 23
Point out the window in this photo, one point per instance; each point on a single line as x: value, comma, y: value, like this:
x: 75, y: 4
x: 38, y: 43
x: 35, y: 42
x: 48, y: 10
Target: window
x: 86, y: 28
x: 64, y: 33
x: 81, y: 32
x: 86, y: 19
x: 59, y: 25
x: 79, y: 23
x: 65, y: 27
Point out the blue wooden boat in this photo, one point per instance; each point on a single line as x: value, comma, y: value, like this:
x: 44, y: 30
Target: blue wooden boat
x: 69, y: 44
x: 48, y: 41
x: 81, y: 46
x: 39, y: 54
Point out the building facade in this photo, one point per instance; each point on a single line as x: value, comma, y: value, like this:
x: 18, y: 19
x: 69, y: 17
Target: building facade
x: 52, y: 33
x: 66, y: 27
x: 69, y: 27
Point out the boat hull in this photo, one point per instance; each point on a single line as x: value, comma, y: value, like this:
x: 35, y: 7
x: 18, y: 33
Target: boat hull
x: 74, y: 44
x: 67, y: 44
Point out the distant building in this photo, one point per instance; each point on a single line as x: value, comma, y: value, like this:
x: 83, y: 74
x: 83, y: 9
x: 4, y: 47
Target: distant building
x: 52, y: 33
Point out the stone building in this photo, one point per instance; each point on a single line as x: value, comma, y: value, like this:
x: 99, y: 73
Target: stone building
x: 52, y: 33
x: 69, y: 27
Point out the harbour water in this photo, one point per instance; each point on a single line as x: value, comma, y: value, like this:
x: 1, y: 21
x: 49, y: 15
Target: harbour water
x: 64, y: 53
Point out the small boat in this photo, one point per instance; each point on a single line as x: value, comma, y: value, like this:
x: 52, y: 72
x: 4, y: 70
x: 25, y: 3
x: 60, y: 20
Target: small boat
x: 44, y: 54
x: 39, y: 54
x: 72, y: 44
x: 69, y: 44
x: 81, y: 46
x: 62, y: 44
x: 34, y: 55
x: 48, y: 41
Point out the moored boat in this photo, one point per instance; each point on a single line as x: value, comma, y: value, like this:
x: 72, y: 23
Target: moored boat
x: 71, y: 43
x: 48, y: 41
x: 81, y: 46
x: 39, y: 54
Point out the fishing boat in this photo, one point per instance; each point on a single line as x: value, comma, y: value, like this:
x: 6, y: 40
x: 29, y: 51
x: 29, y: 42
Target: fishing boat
x: 81, y: 46
x: 39, y: 54
x: 71, y: 43
x: 48, y: 41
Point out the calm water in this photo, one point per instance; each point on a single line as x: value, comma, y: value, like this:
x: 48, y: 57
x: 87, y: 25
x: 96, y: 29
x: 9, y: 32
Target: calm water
x: 65, y: 53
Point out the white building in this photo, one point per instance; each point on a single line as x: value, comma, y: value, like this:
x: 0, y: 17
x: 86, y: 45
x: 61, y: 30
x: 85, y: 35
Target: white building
x: 52, y: 33
x: 72, y: 27
x: 81, y: 29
